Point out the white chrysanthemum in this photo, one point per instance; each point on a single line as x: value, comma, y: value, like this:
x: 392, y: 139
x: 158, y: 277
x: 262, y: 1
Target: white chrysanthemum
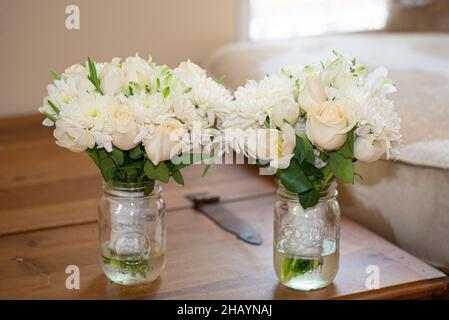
x: 254, y: 102
x: 211, y: 100
x: 77, y: 76
x: 90, y: 112
x: 379, y: 120
x: 149, y: 108
x: 202, y: 99
x: 63, y: 92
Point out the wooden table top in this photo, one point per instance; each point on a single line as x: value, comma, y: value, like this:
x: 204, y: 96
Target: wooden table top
x: 48, y: 220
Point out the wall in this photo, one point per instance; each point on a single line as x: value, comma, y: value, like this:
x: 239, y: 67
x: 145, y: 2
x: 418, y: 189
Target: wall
x: 34, y: 39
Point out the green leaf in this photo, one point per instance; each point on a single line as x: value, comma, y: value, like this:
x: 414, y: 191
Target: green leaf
x: 310, y: 170
x: 188, y: 90
x: 149, y: 169
x: 186, y: 159
x: 177, y: 176
x: 292, y: 267
x: 55, y: 75
x: 134, y: 165
x: 102, y: 154
x: 49, y: 116
x: 347, y: 150
x: 93, y: 77
x: 294, y: 179
x: 136, y: 153
x: 166, y: 92
x: 342, y: 168
x: 300, y: 153
x: 117, y: 156
x: 309, y: 198
x: 53, y: 106
x: 209, y: 161
x: 149, y: 187
x: 159, y: 172
x: 108, y: 168
x: 92, y: 153
x: 308, y: 148
x: 220, y: 80
x: 162, y: 172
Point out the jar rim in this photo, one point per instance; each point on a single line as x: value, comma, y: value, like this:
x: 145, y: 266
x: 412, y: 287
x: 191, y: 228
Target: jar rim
x: 131, y: 189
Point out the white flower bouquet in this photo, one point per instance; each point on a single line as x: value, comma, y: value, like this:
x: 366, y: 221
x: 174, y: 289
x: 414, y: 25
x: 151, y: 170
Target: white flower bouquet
x: 311, y: 123
x: 134, y: 117
x: 308, y: 125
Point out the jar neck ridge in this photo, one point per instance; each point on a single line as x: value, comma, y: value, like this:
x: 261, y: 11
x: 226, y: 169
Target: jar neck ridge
x: 329, y: 193
x: 131, y: 189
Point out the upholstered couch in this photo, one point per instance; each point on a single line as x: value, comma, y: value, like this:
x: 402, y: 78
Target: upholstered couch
x: 406, y: 201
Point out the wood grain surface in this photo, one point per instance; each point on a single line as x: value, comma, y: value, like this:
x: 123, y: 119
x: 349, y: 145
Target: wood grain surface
x: 48, y: 220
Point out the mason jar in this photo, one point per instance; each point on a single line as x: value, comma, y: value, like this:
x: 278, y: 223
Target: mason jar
x: 132, y: 232
x: 306, y: 241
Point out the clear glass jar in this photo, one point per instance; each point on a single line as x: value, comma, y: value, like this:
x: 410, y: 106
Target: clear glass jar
x: 132, y: 232
x: 306, y: 242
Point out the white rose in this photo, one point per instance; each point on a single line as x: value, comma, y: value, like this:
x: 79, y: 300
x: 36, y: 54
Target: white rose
x: 368, y: 149
x: 270, y: 145
x: 186, y: 70
x: 74, y: 69
x: 165, y: 142
x: 76, y: 139
x: 328, y: 123
x: 262, y: 144
x: 77, y: 75
x: 136, y: 69
x: 286, y: 110
x: 124, y: 127
x: 111, y: 78
x: 313, y: 93
x: 287, y: 147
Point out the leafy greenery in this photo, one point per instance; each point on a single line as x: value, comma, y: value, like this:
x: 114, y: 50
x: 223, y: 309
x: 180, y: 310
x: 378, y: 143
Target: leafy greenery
x: 294, y: 179
x: 53, y: 106
x: 134, y: 267
x: 159, y: 172
x: 133, y: 166
x: 341, y: 167
x: 49, y: 116
x: 293, y: 267
x: 304, y: 178
x: 93, y: 77
x: 55, y: 75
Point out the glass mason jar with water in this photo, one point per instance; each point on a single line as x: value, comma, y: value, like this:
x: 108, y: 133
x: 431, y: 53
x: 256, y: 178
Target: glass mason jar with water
x: 306, y: 241
x: 132, y: 232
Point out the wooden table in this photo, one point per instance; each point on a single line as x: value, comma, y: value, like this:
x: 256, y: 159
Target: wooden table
x: 48, y: 220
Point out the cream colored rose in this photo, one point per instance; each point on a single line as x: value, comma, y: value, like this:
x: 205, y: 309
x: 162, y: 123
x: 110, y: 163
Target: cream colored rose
x: 313, y: 93
x: 165, y: 142
x: 136, y: 69
x: 328, y: 123
x: 262, y: 144
x: 270, y: 145
x: 111, y: 78
x: 124, y: 127
x: 287, y: 110
x: 286, y: 148
x: 368, y: 149
x: 76, y: 139
x: 187, y: 69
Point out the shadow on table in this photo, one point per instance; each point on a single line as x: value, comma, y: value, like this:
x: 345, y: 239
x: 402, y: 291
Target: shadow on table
x: 281, y: 292
x: 106, y: 289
